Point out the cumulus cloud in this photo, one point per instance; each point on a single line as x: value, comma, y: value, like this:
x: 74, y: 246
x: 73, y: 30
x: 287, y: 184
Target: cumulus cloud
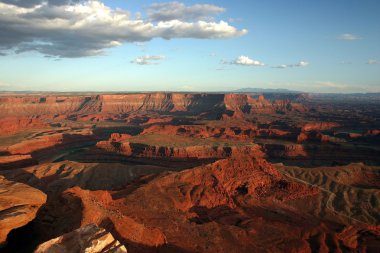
x: 347, y: 36
x: 179, y: 11
x: 284, y: 66
x: 244, y: 61
x: 148, y: 59
x: 65, y: 28
x: 372, y: 62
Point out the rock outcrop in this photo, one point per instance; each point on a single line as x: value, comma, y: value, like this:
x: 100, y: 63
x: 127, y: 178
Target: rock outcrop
x: 16, y: 161
x: 54, y: 178
x: 51, y: 141
x: 318, y: 126
x: 191, y: 152
x: 245, y: 132
x: 88, y: 239
x: 19, y: 204
x: 12, y: 124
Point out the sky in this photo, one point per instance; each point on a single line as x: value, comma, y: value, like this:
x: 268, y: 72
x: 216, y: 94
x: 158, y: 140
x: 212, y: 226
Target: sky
x: 121, y: 45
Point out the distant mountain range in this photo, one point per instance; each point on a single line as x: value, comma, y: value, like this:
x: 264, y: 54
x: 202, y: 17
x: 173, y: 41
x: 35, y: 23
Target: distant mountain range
x: 251, y: 90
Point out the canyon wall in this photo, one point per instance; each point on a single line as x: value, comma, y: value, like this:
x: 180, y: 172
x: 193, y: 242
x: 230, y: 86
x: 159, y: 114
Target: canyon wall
x: 118, y: 104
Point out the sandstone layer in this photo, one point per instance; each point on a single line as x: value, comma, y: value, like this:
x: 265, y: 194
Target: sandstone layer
x: 19, y: 204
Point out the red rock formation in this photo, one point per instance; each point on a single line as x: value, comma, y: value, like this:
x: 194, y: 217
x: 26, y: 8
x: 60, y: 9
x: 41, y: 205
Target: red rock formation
x: 201, y: 151
x: 314, y: 136
x: 274, y: 133
x: 302, y: 137
x: 239, y: 203
x: 19, y: 204
x: 285, y: 150
x: 16, y: 161
x: 87, y: 239
x: 49, y: 141
x: 318, y: 126
x: 9, y: 125
x: 53, y: 178
x: 204, y: 209
x: 121, y: 104
x: 41, y: 105
x: 245, y: 132
x: 244, y: 104
x: 119, y: 137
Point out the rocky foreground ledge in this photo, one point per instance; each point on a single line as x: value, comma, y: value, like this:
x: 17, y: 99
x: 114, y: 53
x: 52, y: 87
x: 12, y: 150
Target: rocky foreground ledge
x: 19, y: 204
x: 88, y: 239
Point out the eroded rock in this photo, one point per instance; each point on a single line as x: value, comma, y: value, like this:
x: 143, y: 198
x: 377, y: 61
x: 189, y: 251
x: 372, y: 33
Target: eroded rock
x: 19, y: 204
x: 88, y: 239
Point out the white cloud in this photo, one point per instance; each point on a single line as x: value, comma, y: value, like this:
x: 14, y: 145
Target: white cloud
x: 187, y: 88
x: 302, y: 64
x: 76, y: 28
x: 179, y: 11
x: 372, y: 62
x: 347, y: 36
x: 329, y: 84
x: 284, y: 66
x: 245, y: 61
x: 4, y: 85
x: 148, y: 59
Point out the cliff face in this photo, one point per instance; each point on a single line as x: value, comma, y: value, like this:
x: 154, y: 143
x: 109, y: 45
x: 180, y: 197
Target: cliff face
x: 50, y: 141
x: 159, y: 102
x: 16, y: 207
x: 245, y: 132
x: 191, y: 152
x: 10, y: 125
x: 37, y: 105
x: 240, y: 103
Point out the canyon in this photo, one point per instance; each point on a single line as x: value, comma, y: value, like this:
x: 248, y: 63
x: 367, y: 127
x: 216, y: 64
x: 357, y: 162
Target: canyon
x: 189, y: 172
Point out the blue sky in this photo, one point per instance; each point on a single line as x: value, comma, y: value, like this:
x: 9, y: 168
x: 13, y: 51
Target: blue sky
x: 317, y: 46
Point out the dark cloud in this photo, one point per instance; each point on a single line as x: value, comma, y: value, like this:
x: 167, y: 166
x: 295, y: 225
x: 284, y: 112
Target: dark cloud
x: 22, y: 3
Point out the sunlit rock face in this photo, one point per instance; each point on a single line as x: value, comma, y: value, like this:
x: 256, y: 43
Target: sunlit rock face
x: 19, y: 204
x: 88, y: 239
